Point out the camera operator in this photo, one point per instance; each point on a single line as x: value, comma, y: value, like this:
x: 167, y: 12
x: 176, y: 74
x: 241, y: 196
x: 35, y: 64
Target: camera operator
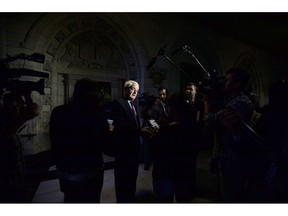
x: 231, y: 150
x: 12, y: 116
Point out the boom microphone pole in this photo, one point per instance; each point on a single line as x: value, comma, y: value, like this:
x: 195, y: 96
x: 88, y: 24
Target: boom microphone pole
x: 172, y: 62
x: 153, y: 60
x: 161, y: 52
x: 187, y: 49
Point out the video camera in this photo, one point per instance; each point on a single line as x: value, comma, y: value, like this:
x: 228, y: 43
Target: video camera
x: 9, y: 77
x: 212, y: 85
x: 211, y: 82
x: 212, y: 88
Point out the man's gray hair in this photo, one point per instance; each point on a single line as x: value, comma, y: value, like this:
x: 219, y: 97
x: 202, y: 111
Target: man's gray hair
x: 130, y: 83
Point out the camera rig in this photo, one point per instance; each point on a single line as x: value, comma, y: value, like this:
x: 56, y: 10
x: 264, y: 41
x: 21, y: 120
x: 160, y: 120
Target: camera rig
x: 211, y: 76
x: 9, y: 77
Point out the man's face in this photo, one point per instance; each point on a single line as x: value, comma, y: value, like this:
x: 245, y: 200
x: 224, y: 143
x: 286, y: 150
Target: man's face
x: 131, y: 93
x: 231, y: 83
x: 163, y: 95
x: 191, y: 90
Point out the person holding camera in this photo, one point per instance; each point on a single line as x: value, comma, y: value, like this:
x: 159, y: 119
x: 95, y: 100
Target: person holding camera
x: 232, y: 150
x: 13, y: 115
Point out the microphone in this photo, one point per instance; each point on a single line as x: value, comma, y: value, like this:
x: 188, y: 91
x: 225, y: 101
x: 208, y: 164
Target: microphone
x: 151, y: 63
x: 153, y: 60
x: 176, y: 51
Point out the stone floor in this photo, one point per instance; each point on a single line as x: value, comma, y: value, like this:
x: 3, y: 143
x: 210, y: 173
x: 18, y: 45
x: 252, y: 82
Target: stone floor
x: 48, y: 190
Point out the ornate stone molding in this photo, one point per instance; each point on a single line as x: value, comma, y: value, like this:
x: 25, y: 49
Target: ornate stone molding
x: 70, y: 38
x: 249, y: 64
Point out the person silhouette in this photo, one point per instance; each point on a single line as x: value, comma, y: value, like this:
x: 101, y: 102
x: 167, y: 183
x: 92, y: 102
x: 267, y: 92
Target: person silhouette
x: 78, y: 131
x: 13, y: 115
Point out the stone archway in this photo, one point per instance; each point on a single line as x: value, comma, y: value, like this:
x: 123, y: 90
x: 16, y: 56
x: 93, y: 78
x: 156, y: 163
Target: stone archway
x: 82, y: 45
x: 89, y: 44
x: 249, y: 63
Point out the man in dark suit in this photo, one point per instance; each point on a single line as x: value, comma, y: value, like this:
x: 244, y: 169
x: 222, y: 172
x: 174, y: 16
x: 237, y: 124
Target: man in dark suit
x: 194, y: 99
x: 126, y: 134
x: 160, y: 110
x: 159, y: 113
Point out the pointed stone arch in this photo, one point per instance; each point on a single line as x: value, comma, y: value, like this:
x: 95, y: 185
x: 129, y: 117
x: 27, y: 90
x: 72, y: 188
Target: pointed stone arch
x: 90, y: 44
x: 249, y: 63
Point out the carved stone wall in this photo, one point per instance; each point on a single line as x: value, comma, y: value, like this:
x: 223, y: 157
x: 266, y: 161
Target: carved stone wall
x: 251, y: 64
x: 77, y: 47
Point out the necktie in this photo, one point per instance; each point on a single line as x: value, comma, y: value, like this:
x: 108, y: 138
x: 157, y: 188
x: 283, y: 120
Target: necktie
x: 164, y: 108
x: 134, y: 112
x: 133, y: 108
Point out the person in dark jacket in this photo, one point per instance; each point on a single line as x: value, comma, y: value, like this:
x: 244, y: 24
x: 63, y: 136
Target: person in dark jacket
x: 78, y: 133
x: 126, y: 134
x: 13, y: 115
x: 173, y: 154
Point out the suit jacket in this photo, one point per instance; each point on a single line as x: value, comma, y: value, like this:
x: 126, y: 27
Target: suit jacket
x: 126, y: 131
x: 158, y: 111
x: 77, y: 139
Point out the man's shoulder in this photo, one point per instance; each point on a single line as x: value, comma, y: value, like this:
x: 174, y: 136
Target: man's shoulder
x: 60, y: 107
x: 119, y: 101
x: 60, y: 110
x: 241, y: 99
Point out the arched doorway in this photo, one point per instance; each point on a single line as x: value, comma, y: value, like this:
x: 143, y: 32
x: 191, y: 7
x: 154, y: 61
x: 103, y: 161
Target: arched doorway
x: 84, y: 45
x: 250, y: 64
x: 79, y: 46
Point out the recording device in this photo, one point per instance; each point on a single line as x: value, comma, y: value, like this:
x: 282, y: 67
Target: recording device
x: 211, y: 80
x: 36, y: 57
x: 23, y: 87
x: 212, y: 83
x: 9, y: 77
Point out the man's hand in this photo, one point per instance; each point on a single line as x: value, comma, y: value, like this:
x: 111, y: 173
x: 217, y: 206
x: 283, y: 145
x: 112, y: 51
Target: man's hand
x: 148, y: 132
x: 229, y: 118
